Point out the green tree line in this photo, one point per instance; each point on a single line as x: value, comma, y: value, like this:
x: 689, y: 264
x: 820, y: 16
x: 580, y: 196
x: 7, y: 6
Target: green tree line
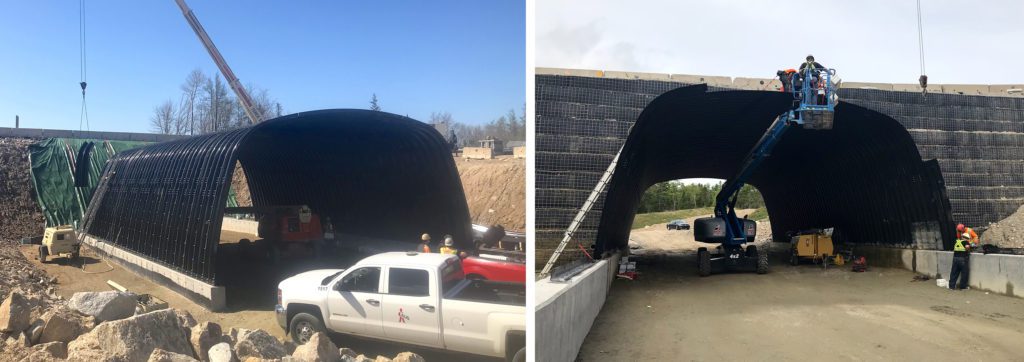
x: 672, y: 195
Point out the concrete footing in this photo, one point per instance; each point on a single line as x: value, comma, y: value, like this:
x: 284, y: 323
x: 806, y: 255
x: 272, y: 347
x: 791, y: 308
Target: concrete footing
x: 996, y: 273
x: 210, y: 296
x: 566, y: 311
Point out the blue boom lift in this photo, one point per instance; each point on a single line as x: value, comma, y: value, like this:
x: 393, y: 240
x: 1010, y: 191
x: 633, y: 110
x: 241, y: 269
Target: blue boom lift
x: 814, y: 103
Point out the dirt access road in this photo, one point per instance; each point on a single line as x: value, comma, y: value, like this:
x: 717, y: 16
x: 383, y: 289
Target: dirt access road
x: 798, y: 313
x: 656, y: 239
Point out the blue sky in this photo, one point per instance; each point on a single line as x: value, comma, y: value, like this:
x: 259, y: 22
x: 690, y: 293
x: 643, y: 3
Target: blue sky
x: 464, y: 57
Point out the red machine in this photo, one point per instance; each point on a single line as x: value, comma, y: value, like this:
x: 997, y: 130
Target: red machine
x: 496, y: 270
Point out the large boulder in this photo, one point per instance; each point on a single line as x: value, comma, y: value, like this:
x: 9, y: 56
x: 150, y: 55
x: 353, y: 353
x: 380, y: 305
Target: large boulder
x: 381, y: 359
x: 258, y: 344
x: 319, y: 348
x: 53, y: 351
x: 408, y: 357
x: 160, y: 355
x: 221, y: 352
x: 64, y: 325
x: 204, y: 336
x: 15, y: 313
x: 104, y: 306
x: 135, y: 338
x: 359, y: 358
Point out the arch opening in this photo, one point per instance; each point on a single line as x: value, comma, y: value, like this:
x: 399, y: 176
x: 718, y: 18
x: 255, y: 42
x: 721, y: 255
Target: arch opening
x: 864, y: 177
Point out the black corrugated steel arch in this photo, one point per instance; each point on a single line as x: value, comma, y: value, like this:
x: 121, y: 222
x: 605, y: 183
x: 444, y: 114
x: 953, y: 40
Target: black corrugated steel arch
x: 376, y: 174
x: 865, y: 177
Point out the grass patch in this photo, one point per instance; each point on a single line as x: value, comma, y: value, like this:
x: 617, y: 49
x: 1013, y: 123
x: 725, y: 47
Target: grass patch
x: 644, y: 220
x: 652, y: 218
x: 759, y: 214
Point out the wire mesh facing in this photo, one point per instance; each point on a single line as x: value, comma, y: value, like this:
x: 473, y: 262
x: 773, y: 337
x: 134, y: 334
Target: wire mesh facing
x: 978, y: 142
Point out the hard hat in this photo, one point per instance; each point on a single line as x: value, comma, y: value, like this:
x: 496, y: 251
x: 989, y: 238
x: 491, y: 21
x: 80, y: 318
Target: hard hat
x: 967, y: 236
x: 959, y: 227
x: 425, y: 237
x: 810, y: 57
x: 448, y: 240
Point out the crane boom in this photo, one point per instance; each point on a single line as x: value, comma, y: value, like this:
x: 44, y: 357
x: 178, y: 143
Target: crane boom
x: 243, y: 96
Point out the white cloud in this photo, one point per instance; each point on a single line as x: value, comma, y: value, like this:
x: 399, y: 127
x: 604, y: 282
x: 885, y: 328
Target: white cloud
x: 871, y: 40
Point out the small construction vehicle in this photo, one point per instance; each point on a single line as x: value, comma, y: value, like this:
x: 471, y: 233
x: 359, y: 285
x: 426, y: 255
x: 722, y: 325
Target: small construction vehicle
x: 282, y: 227
x: 59, y: 241
x: 815, y: 245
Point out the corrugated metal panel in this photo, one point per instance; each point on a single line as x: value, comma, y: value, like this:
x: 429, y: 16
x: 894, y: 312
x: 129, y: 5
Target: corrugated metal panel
x: 374, y: 174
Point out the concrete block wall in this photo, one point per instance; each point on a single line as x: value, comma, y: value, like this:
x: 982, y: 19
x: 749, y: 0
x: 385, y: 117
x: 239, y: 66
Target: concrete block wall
x: 478, y: 153
x: 976, y: 134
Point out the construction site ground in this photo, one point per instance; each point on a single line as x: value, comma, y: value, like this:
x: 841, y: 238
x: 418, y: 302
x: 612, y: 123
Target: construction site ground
x: 251, y: 310
x: 495, y: 191
x: 797, y: 313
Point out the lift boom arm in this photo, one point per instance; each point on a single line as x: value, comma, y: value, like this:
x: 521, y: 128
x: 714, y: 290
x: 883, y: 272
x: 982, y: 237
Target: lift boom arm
x: 243, y: 96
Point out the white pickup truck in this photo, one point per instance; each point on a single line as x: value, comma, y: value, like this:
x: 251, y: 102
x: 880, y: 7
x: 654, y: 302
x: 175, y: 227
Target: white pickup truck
x: 408, y: 297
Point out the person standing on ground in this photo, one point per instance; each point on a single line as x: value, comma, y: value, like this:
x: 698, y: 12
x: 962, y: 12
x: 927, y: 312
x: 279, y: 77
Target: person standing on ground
x: 961, y: 262
x: 449, y: 246
x: 424, y: 246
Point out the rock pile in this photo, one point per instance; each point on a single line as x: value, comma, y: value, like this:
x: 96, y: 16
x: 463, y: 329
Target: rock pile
x: 32, y: 330
x: 20, y: 216
x: 1006, y: 233
x: 16, y: 272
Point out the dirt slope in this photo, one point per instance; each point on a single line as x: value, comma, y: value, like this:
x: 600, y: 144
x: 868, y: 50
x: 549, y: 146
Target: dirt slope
x: 495, y: 190
x: 19, y: 214
x: 1007, y: 232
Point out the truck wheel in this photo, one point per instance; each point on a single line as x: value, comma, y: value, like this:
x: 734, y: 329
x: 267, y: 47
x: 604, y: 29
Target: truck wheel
x: 703, y: 262
x: 42, y: 254
x: 751, y: 251
x: 762, y: 262
x: 304, y: 326
x: 793, y: 259
x: 520, y: 355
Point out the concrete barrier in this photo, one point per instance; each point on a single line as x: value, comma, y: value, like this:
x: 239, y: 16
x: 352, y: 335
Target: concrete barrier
x: 245, y: 226
x: 996, y: 273
x: 61, y: 133
x: 519, y: 152
x: 566, y: 311
x: 479, y: 153
x: 210, y: 296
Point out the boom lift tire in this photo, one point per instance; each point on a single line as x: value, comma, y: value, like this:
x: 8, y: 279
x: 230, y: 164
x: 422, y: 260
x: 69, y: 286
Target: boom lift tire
x: 762, y: 262
x: 703, y: 262
x: 42, y: 254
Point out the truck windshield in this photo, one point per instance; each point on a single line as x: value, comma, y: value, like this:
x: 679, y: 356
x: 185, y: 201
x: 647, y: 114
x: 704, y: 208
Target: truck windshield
x: 451, y: 274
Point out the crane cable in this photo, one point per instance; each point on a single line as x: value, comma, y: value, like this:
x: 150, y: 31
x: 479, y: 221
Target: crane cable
x: 923, y: 80
x: 84, y: 115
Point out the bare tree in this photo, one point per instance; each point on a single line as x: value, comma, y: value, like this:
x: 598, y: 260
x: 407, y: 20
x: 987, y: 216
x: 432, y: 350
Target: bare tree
x: 374, y: 105
x: 163, y: 118
x: 188, y: 114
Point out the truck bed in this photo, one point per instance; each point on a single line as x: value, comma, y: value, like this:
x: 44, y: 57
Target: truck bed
x: 486, y: 291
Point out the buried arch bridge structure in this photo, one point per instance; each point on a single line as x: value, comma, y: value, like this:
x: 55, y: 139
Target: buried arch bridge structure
x: 864, y: 177
x: 900, y: 167
x: 376, y: 175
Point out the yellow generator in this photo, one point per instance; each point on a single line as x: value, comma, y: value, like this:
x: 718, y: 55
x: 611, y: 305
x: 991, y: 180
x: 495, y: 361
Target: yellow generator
x: 59, y: 241
x: 815, y: 245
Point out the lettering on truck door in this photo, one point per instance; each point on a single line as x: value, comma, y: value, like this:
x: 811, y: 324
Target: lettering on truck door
x: 354, y: 302
x: 411, y: 310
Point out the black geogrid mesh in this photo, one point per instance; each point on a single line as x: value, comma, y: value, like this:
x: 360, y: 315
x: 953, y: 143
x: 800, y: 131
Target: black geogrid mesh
x: 581, y: 122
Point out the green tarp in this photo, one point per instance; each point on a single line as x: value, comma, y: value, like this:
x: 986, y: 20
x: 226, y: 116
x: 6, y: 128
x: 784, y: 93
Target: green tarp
x: 53, y: 161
